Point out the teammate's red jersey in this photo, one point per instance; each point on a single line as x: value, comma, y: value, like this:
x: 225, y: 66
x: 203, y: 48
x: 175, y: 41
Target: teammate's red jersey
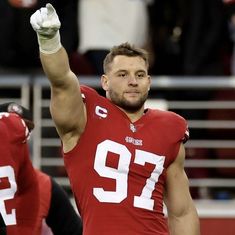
x: 18, y: 182
x: 118, y: 168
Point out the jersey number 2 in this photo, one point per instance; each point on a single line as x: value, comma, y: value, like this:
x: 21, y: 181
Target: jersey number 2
x: 121, y: 173
x: 8, y: 193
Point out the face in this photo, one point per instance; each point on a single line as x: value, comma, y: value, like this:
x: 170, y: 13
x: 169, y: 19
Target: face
x: 127, y: 82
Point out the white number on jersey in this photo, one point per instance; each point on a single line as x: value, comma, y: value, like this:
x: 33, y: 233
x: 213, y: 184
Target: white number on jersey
x: 8, y: 193
x: 121, y: 173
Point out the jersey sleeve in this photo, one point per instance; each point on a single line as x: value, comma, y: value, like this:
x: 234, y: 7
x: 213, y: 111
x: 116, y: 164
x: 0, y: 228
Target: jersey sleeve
x: 175, y: 131
x: 179, y: 127
x: 88, y: 94
x: 183, y: 127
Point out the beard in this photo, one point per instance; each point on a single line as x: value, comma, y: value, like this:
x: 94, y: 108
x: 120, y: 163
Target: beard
x: 123, y: 103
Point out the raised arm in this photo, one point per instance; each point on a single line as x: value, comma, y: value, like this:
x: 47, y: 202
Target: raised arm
x: 67, y: 108
x: 182, y: 214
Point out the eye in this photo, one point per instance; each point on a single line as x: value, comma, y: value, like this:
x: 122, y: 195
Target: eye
x: 122, y: 75
x: 140, y: 75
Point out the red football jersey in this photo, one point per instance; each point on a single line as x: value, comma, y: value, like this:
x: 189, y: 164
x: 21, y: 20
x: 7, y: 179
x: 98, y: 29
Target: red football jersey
x: 118, y: 168
x: 18, y: 183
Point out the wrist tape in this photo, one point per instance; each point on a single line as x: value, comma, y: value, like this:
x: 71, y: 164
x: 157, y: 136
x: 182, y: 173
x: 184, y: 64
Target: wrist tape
x: 49, y: 45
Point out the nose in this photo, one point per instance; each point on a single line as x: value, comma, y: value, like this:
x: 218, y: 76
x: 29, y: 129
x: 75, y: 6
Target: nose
x: 132, y: 80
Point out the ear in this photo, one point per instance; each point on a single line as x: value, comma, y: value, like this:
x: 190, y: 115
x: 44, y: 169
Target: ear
x: 150, y: 81
x: 105, y: 82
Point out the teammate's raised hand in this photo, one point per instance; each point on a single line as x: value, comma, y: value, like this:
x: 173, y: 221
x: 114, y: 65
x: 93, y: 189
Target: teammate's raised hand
x: 46, y: 23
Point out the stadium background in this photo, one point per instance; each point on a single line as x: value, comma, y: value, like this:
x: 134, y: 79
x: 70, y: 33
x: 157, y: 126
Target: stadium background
x: 204, y: 96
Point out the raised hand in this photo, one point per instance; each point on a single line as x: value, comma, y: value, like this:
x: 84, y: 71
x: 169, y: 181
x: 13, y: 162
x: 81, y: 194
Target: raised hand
x: 46, y: 23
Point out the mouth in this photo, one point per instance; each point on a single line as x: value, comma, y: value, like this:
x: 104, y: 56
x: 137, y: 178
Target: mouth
x: 132, y: 93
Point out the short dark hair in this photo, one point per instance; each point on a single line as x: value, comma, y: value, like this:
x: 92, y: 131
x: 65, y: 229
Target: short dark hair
x: 125, y: 49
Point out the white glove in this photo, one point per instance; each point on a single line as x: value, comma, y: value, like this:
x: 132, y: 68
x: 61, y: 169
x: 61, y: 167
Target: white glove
x: 46, y: 23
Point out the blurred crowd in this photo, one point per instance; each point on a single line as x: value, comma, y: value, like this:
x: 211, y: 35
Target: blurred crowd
x: 183, y: 37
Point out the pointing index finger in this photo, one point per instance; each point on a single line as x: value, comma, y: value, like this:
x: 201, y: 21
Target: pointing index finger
x: 50, y: 9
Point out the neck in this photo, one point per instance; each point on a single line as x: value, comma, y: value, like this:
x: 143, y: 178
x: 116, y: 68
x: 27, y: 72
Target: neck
x: 134, y: 116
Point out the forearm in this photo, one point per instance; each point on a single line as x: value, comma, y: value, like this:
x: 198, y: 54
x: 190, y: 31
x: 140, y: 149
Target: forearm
x: 54, y: 58
x: 62, y: 218
x: 185, y: 224
x: 56, y: 66
x: 67, y: 108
